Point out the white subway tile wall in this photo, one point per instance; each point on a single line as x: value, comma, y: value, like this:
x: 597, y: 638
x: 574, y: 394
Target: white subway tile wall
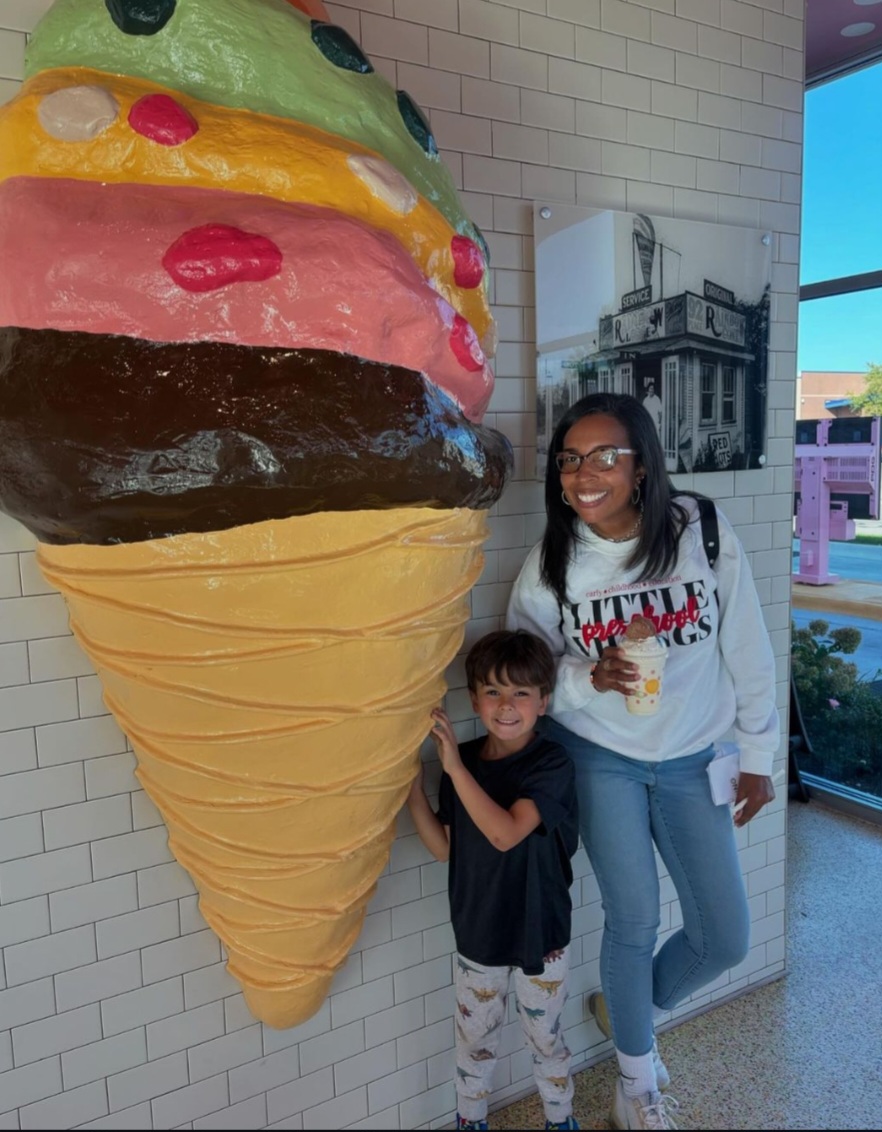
x: 116, y: 1010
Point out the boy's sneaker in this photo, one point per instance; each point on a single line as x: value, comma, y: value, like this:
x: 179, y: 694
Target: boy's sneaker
x: 464, y: 1125
x: 597, y: 1006
x: 570, y: 1122
x: 650, y: 1110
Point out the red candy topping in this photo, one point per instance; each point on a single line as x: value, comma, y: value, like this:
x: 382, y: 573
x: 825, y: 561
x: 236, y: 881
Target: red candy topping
x: 468, y: 262
x: 465, y: 345
x: 214, y: 255
x: 162, y: 120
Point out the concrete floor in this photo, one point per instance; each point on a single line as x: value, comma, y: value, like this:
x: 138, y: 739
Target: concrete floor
x: 805, y: 1051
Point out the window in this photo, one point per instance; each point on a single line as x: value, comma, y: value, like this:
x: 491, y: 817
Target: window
x: 728, y: 395
x: 708, y: 393
x: 837, y: 665
x: 841, y: 229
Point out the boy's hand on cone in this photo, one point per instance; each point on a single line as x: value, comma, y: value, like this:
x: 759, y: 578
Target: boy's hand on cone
x: 444, y: 738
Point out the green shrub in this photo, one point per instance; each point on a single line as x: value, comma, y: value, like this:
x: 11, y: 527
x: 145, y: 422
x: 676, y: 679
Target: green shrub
x: 819, y: 674
x: 842, y: 714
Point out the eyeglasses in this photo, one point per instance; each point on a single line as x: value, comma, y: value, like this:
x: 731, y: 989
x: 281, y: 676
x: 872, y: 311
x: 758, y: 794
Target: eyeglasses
x: 600, y: 459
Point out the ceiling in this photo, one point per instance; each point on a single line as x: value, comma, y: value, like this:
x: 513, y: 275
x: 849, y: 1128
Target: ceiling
x: 830, y: 53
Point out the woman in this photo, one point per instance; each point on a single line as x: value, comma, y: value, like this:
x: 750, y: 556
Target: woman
x: 620, y: 543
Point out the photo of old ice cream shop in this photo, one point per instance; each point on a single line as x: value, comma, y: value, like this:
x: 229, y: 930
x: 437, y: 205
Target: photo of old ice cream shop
x: 674, y: 312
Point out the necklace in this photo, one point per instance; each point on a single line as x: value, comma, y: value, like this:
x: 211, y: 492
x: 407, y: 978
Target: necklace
x: 622, y: 538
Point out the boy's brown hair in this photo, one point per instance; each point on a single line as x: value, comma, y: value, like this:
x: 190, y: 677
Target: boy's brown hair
x: 515, y: 657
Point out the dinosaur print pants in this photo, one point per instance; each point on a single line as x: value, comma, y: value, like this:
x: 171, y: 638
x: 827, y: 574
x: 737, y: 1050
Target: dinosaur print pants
x: 481, y: 996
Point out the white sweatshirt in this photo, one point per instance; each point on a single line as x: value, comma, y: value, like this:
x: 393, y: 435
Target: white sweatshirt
x: 720, y: 669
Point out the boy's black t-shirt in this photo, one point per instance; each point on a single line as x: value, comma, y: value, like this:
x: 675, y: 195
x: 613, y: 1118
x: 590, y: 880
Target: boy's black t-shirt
x: 510, y: 909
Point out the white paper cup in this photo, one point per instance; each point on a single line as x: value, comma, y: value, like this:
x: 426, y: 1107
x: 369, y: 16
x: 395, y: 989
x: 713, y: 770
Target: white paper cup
x: 645, y: 698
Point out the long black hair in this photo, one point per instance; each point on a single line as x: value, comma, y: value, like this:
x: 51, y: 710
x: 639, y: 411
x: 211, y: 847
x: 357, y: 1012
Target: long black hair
x: 664, y: 519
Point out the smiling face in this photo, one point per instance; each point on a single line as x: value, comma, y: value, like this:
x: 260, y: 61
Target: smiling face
x: 508, y: 712
x: 602, y: 498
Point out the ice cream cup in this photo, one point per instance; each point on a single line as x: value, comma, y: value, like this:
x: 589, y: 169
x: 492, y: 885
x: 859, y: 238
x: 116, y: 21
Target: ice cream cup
x: 650, y: 657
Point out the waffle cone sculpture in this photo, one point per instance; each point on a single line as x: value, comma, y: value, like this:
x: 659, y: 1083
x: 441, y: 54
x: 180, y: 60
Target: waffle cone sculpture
x: 275, y: 725
x: 243, y: 364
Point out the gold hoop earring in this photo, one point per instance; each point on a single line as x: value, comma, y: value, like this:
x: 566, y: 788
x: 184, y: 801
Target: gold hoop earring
x: 563, y: 496
x: 635, y: 494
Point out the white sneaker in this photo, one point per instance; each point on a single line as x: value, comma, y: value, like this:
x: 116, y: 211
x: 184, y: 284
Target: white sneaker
x: 650, y: 1110
x: 597, y: 1006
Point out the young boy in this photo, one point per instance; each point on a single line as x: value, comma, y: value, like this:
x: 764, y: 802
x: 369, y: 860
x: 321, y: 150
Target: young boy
x: 507, y: 822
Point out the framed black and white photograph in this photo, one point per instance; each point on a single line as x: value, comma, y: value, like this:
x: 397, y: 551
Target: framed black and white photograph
x: 675, y: 312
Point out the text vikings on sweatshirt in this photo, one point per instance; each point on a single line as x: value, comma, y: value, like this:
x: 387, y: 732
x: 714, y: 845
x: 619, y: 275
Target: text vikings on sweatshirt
x: 720, y: 671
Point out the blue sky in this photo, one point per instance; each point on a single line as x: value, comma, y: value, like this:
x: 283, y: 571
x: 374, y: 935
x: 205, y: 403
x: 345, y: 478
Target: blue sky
x: 842, y: 221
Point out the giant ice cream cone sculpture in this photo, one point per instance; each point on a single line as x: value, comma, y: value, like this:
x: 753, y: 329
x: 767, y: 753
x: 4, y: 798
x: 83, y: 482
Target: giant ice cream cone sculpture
x: 241, y: 385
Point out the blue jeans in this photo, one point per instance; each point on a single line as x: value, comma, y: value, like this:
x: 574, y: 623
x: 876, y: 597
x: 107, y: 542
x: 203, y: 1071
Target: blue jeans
x: 624, y: 806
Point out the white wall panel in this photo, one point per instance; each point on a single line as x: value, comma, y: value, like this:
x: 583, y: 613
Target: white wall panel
x: 115, y: 1008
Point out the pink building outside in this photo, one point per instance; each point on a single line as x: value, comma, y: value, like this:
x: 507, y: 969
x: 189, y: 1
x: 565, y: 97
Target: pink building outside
x: 823, y: 394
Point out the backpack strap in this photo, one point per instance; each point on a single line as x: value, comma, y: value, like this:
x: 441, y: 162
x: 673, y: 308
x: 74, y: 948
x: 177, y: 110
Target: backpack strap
x: 710, y: 529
